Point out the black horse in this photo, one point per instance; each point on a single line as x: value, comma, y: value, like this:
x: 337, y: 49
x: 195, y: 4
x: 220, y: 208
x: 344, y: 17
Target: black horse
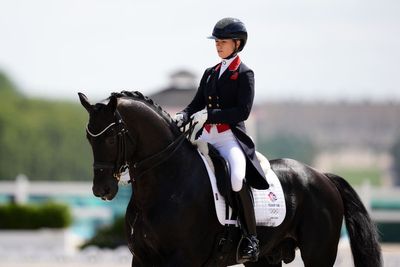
x: 171, y: 218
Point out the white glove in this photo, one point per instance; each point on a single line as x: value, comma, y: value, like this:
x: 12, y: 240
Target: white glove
x: 199, y: 118
x: 179, y: 119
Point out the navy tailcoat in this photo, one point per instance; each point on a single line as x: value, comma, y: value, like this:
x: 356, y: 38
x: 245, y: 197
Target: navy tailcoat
x: 229, y: 100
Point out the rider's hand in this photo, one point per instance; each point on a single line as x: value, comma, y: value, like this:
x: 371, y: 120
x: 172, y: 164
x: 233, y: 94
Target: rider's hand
x: 179, y: 119
x: 199, y: 118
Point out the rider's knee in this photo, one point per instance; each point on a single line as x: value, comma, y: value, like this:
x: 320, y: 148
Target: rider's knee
x: 237, y: 183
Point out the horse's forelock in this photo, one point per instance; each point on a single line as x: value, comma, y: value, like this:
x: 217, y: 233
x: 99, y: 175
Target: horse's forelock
x: 99, y: 106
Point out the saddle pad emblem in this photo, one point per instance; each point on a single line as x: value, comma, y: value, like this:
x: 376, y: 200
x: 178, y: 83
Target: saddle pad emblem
x: 272, y: 196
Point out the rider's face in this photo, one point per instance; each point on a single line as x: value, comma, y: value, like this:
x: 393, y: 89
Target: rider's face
x: 225, y: 47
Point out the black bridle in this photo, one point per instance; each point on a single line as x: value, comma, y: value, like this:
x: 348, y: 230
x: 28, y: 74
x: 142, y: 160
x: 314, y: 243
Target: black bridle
x: 121, y: 164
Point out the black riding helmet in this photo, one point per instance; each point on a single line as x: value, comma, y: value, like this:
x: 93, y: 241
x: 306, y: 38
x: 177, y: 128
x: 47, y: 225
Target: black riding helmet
x: 230, y: 28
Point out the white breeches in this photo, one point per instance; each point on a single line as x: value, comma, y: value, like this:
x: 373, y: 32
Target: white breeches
x: 229, y: 148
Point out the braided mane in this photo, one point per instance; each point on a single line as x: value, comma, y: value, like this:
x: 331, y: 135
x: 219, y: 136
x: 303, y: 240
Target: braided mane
x: 136, y: 95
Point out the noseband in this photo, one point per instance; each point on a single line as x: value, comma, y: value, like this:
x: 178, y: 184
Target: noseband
x: 121, y: 163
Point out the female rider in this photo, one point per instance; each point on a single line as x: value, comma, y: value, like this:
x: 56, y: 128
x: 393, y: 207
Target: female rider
x: 222, y: 103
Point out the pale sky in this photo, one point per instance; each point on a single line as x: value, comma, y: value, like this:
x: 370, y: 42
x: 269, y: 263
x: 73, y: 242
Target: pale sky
x: 298, y: 49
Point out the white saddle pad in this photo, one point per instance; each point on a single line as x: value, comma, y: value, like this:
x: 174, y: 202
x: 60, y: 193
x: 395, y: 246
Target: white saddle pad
x: 269, y: 205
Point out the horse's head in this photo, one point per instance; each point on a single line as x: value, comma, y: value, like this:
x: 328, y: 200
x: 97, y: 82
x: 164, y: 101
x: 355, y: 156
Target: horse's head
x: 153, y: 137
x: 104, y: 132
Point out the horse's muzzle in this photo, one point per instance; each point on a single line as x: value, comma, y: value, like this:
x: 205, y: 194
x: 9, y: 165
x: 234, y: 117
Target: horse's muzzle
x: 105, y: 191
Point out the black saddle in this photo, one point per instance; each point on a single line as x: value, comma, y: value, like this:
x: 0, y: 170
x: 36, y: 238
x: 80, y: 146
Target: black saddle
x: 226, y: 240
x: 222, y: 174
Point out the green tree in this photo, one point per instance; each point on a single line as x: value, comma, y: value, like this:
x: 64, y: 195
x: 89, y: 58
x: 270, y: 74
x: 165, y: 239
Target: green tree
x: 6, y: 86
x: 40, y: 138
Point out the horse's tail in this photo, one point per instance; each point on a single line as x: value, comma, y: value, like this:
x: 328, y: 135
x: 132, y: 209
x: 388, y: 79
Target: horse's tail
x: 362, y: 231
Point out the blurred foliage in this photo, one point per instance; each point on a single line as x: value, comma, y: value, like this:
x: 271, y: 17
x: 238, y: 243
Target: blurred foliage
x: 358, y: 176
x: 42, y: 139
x: 395, y: 151
x: 110, y: 236
x: 48, y: 215
x: 288, y: 146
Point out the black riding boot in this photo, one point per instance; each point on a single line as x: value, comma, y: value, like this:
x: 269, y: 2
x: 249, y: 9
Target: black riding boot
x: 248, y: 245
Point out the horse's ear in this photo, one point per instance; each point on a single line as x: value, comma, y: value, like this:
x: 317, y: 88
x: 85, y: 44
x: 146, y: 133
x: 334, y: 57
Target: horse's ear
x: 112, y: 104
x: 85, y: 102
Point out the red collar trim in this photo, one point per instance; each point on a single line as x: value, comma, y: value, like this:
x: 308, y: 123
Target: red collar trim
x: 235, y: 64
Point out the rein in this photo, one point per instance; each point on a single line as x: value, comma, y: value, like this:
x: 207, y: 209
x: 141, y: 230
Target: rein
x: 140, y: 167
x: 155, y: 160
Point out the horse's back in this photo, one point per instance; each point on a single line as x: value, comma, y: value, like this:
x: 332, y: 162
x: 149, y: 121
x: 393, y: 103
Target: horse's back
x: 299, y: 176
x: 306, y: 185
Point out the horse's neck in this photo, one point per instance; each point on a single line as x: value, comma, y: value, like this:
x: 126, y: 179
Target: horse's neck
x: 150, y: 131
x: 152, y: 134
x: 179, y: 175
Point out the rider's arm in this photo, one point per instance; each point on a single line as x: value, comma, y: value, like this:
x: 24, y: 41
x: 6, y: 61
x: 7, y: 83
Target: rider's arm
x: 245, y: 97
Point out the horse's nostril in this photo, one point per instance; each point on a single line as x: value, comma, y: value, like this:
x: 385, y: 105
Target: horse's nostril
x: 96, y: 192
x: 101, y: 191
